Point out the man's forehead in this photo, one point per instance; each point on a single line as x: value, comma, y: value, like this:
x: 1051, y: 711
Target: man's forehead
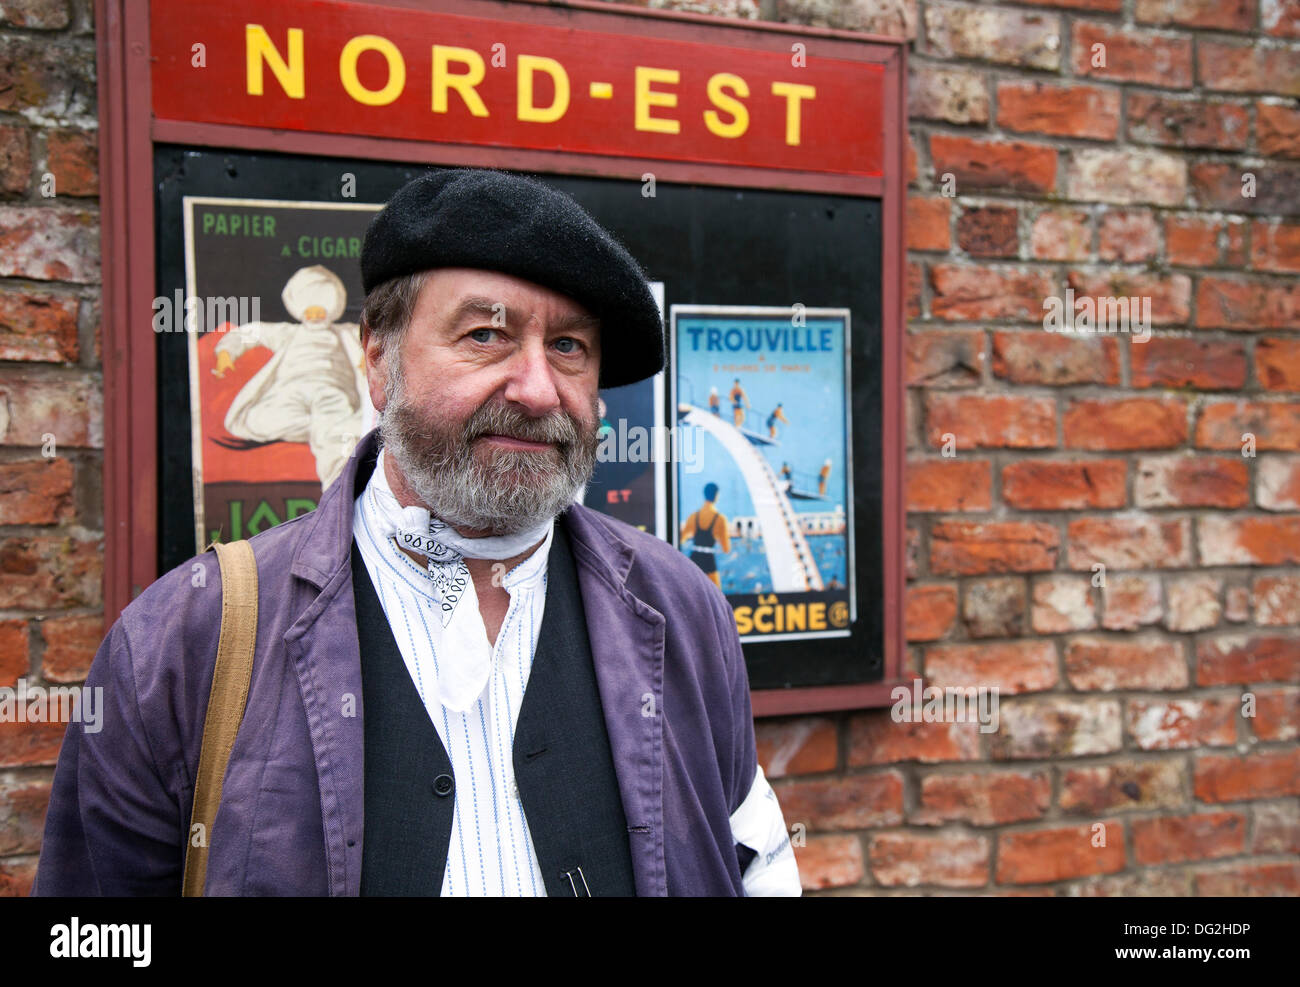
x: 466, y: 292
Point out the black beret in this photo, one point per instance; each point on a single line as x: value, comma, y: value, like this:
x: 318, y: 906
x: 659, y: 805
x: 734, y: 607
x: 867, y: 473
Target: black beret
x: 496, y: 221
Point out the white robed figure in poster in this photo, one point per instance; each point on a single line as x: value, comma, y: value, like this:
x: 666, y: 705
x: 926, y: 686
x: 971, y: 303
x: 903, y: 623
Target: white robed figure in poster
x: 313, y: 389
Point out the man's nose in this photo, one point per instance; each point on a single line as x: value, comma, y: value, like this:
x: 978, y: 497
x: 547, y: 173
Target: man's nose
x: 531, y: 382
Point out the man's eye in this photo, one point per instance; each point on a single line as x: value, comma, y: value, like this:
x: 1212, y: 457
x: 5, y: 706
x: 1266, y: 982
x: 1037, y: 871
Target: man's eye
x: 481, y: 335
x: 567, y: 344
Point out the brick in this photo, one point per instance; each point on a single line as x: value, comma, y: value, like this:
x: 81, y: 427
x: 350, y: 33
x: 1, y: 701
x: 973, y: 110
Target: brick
x: 1129, y: 542
x: 1247, y: 881
x: 1276, y: 600
x: 1277, y: 828
x: 1274, y: 426
x: 1275, y: 246
x: 949, y: 485
x: 17, y: 875
x: 15, y: 660
x: 1069, y: 485
x: 952, y: 95
x: 69, y: 408
x: 1179, y: 362
x: 1006, y: 166
x: 1062, y: 603
x: 1280, y: 18
x: 944, y: 359
x: 1175, y: 839
x: 959, y: 548
x: 22, y: 817
x: 874, y: 738
x: 48, y: 80
x: 911, y: 166
x: 989, y: 231
x: 1250, y: 67
x: 39, y: 573
x: 1277, y: 715
x: 1058, y: 854
x: 1107, y: 664
x: 1191, y: 481
x: 912, y: 300
x: 38, y: 327
x: 1231, y: 659
x: 977, y: 293
x: 1128, y: 235
x: 30, y: 744
x: 1130, y: 601
x: 889, y: 19
x: 73, y: 160
x: 1224, y: 303
x: 41, y: 15
x: 70, y: 645
x: 994, y: 421
x: 1086, y: 112
x: 1039, y: 728
x: 852, y: 801
x: 1142, y: 884
x: 1011, y: 667
x: 1277, y: 483
x: 1261, y: 775
x: 1260, y: 189
x: 1146, y: 784
x: 1232, y: 15
x: 930, y: 611
x: 1249, y: 540
x: 1277, y: 364
x: 983, y: 798
x: 1179, y: 724
x: 913, y: 551
x: 797, y: 746
x: 1131, y: 55
x: 1061, y: 234
x: 1236, y: 605
x: 15, y: 160
x: 1101, y: 6
x: 927, y: 223
x: 949, y: 860
x: 48, y: 244
x: 995, y: 608
x: 1277, y: 129
x: 830, y: 862
x: 1170, y: 296
x: 1193, y: 603
x: 1055, y: 359
x: 1126, y: 423
x: 36, y: 491
x: 1007, y: 37
x: 1191, y: 240
x: 1125, y: 177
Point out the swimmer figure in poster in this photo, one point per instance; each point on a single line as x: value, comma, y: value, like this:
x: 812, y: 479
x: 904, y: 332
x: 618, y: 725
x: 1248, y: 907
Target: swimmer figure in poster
x: 706, y: 529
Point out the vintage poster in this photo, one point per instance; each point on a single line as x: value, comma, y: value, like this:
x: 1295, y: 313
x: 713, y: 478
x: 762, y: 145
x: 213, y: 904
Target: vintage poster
x: 764, y: 506
x: 278, y: 397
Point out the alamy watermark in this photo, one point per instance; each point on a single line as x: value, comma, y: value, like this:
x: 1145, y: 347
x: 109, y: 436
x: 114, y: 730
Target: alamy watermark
x: 53, y: 704
x: 951, y: 704
x: 197, y: 314
x: 1104, y: 314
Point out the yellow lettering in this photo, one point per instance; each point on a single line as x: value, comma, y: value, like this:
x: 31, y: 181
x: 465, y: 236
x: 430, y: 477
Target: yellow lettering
x: 462, y: 82
x: 743, y: 623
x: 348, y: 70
x: 259, y: 48
x: 528, y: 64
x: 796, y: 617
x: 817, y: 616
x: 762, y: 619
x: 728, y: 104
x: 793, y: 93
x: 647, y: 97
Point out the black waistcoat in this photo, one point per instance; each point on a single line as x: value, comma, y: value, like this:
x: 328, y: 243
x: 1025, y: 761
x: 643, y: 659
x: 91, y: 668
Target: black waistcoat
x: 563, y: 766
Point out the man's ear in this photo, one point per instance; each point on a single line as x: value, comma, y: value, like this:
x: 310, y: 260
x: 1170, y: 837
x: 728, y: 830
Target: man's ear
x: 376, y: 367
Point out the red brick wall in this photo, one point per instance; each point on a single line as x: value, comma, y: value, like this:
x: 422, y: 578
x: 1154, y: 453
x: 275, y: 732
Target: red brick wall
x: 1122, y: 704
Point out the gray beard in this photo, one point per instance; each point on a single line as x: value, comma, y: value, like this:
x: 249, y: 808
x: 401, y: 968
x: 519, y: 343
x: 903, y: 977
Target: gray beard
x: 500, y: 491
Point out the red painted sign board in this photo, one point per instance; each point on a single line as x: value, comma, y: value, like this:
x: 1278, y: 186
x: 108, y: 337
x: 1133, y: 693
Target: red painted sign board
x: 361, y: 69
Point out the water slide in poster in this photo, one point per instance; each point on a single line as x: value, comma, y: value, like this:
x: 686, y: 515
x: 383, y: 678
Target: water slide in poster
x: 764, y: 503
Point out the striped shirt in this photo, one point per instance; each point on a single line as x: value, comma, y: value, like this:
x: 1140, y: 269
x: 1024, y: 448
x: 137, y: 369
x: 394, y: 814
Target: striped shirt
x: 491, y: 851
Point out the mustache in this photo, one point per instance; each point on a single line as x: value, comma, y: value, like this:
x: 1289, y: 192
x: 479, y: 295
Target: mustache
x: 557, y: 428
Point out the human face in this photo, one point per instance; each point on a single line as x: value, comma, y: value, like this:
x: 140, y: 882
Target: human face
x: 489, y: 400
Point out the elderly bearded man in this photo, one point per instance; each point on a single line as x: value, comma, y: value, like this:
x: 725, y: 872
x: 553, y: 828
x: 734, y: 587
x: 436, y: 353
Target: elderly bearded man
x: 464, y: 682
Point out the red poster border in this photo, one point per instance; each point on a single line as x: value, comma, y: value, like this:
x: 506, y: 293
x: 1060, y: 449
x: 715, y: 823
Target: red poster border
x: 128, y: 132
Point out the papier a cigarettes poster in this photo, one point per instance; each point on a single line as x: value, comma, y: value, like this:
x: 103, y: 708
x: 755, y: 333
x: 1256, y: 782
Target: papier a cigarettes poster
x: 764, y: 500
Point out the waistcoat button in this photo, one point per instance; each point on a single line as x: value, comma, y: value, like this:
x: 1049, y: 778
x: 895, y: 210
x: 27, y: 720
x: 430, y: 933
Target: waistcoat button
x: 442, y: 786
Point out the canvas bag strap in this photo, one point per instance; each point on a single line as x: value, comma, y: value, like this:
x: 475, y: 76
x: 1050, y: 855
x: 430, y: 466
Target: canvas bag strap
x: 226, y: 701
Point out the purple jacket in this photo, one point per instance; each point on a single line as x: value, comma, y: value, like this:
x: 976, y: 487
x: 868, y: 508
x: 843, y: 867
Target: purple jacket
x: 668, y: 663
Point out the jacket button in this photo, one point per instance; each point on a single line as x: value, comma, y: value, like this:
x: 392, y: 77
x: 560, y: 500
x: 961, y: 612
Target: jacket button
x: 442, y: 786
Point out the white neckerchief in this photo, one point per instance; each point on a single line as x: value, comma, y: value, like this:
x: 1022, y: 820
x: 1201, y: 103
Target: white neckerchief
x: 462, y: 680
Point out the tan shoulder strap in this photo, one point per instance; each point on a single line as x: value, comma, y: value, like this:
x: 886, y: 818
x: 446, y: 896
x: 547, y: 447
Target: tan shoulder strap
x: 226, y: 701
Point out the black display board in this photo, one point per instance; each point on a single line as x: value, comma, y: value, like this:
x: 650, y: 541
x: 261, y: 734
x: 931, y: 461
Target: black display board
x: 707, y: 245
